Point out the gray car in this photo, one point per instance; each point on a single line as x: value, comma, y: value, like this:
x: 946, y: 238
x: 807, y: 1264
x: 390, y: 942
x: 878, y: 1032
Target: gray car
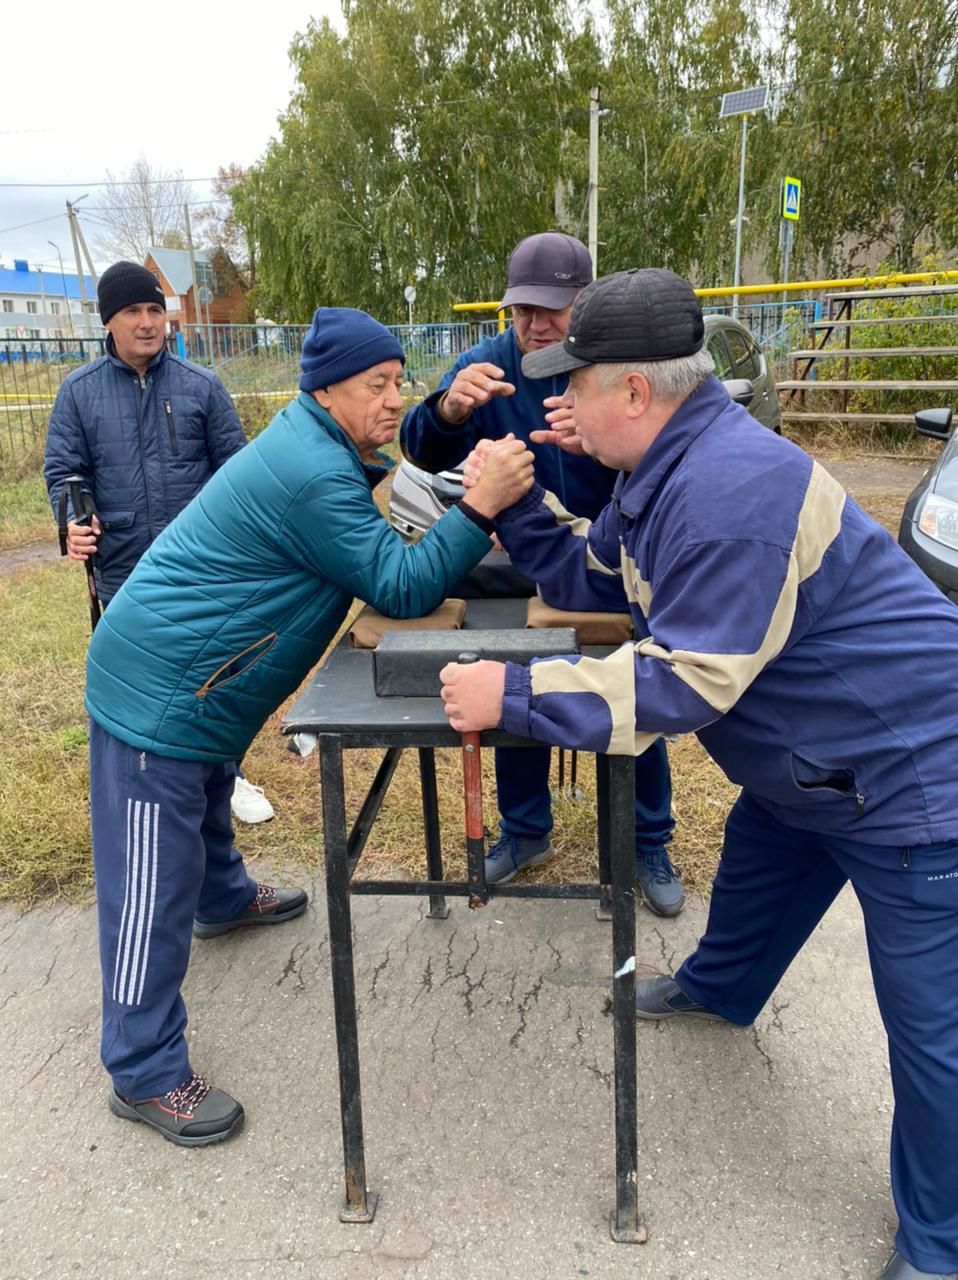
x: 419, y: 498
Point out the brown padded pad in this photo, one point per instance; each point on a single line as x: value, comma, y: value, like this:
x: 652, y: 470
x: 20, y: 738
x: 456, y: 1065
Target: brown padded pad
x: 370, y: 625
x: 590, y: 628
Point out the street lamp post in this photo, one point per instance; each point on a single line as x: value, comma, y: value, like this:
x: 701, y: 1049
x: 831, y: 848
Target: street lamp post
x: 63, y: 281
x: 742, y: 103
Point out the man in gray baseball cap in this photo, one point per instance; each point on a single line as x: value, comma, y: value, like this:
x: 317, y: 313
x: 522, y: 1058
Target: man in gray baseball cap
x: 487, y: 395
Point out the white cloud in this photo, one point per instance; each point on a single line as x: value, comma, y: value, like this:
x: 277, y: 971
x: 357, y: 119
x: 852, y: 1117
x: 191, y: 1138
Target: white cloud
x: 86, y: 90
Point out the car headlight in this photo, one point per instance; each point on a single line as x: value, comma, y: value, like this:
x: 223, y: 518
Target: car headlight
x: 938, y: 518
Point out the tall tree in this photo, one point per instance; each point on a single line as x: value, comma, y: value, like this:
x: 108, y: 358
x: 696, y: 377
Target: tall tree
x: 418, y: 148
x: 141, y: 207
x: 216, y: 225
x: 869, y: 120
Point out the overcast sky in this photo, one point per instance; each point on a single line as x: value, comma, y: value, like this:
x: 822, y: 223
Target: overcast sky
x: 86, y: 88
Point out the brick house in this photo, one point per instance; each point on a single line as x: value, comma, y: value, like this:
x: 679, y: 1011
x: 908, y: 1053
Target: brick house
x: 214, y: 270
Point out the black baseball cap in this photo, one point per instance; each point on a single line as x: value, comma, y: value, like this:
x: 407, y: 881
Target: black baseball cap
x: 547, y: 270
x: 645, y: 314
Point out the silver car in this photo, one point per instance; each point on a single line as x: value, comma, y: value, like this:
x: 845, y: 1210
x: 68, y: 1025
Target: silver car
x: 419, y: 498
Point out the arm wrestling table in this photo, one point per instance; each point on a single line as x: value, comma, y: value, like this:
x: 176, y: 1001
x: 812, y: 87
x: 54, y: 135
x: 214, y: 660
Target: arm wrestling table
x: 340, y: 706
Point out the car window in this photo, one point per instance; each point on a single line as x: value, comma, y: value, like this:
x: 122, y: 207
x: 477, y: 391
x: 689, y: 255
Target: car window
x: 719, y: 353
x: 743, y: 354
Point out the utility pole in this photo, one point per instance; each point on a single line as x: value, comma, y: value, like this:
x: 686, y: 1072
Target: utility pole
x: 594, y: 178
x: 81, y: 279
x: 196, y: 288
x: 66, y: 296
x: 86, y: 252
x: 43, y: 298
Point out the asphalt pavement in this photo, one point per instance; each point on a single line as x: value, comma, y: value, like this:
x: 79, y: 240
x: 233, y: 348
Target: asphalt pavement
x: 486, y: 1053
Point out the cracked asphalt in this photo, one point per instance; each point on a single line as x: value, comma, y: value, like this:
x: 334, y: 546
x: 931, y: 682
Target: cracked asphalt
x: 486, y: 1054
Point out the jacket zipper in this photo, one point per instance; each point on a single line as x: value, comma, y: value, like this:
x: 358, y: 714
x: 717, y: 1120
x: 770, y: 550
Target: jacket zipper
x: 168, y: 408
x: 144, y: 385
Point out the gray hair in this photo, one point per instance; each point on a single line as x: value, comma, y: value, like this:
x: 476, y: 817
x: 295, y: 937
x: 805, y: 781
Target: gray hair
x: 670, y: 380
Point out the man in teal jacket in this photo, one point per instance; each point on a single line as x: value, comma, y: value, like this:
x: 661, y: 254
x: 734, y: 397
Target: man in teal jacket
x: 221, y: 620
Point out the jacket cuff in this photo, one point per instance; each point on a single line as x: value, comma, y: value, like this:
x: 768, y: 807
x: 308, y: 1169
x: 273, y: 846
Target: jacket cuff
x: 431, y: 405
x: 483, y: 522
x: 528, y: 502
x: 517, y: 693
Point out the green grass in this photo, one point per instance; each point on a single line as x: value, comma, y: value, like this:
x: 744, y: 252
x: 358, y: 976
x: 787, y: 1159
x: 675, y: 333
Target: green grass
x: 25, y: 514
x: 44, y: 811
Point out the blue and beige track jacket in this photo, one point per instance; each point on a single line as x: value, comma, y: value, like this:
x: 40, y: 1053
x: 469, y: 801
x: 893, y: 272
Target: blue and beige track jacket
x: 773, y: 618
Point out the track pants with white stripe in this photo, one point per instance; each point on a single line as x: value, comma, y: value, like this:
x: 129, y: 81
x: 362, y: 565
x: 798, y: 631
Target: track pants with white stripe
x: 163, y: 853
x: 773, y: 885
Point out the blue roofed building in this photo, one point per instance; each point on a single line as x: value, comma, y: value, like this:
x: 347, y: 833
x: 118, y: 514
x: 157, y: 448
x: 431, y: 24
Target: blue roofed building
x: 46, y: 304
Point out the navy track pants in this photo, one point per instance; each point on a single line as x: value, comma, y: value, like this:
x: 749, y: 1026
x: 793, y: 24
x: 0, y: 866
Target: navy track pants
x: 163, y: 854
x: 774, y: 884
x: 525, y: 806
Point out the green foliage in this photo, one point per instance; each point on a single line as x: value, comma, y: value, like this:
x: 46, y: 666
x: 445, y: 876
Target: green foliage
x: 422, y: 143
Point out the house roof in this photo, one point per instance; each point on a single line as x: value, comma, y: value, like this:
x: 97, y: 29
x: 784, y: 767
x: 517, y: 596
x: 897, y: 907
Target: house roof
x: 175, y: 265
x: 29, y: 282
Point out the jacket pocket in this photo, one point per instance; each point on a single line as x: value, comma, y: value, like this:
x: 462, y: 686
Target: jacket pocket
x: 113, y: 521
x: 834, y: 780
x: 238, y: 664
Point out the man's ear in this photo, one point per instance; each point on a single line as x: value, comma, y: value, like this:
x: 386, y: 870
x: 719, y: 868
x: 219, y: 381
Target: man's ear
x: 640, y: 393
x: 322, y: 397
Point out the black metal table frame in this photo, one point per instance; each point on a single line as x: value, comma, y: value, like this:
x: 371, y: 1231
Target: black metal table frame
x: 615, y: 891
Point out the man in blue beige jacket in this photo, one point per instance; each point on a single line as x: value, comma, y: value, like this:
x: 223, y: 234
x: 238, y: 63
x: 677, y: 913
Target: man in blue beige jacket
x: 220, y: 621
x: 487, y: 396
x: 788, y: 631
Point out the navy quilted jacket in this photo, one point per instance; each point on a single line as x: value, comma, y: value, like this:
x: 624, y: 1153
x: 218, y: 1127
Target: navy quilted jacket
x: 144, y: 446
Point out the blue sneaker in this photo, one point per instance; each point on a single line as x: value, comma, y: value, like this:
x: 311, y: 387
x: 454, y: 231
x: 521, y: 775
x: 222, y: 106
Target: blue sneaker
x: 510, y: 854
x: 659, y: 881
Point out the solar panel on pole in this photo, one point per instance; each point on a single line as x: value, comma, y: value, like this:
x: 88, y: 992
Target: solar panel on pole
x: 741, y: 100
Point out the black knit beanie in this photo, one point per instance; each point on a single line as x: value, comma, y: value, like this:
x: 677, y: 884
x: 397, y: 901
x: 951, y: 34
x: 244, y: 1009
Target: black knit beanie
x: 125, y: 284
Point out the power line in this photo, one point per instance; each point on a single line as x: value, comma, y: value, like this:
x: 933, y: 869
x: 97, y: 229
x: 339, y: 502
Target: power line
x: 111, y: 182
x: 36, y: 222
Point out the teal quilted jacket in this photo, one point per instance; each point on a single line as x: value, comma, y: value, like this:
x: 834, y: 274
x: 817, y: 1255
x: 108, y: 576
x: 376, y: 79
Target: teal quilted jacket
x: 237, y: 599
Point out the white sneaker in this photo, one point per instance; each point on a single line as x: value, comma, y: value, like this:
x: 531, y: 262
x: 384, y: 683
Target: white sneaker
x: 248, y: 803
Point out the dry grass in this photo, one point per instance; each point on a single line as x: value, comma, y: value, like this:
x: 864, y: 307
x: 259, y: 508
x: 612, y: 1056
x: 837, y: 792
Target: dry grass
x: 44, y: 836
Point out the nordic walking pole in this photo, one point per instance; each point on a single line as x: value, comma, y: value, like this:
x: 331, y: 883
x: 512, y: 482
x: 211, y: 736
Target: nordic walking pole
x: 83, y: 513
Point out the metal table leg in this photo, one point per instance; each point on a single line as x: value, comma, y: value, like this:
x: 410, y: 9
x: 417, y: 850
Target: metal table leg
x: 620, y: 776
x: 360, y: 1204
x: 603, y: 908
x: 438, y: 907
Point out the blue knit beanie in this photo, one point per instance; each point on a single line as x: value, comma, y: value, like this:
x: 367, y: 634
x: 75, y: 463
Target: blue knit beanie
x: 342, y: 342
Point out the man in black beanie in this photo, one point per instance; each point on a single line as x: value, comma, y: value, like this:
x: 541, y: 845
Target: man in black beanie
x: 145, y: 431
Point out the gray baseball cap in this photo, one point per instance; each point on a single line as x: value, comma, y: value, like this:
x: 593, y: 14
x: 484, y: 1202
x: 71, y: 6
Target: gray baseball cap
x: 547, y: 270
x: 639, y: 315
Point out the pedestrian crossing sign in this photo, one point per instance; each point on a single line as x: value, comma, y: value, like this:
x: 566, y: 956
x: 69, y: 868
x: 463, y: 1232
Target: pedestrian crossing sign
x: 791, y: 198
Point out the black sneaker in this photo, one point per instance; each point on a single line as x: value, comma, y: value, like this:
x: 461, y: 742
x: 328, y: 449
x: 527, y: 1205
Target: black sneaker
x: 270, y: 906
x: 662, y: 997
x: 191, y: 1115
x: 510, y: 854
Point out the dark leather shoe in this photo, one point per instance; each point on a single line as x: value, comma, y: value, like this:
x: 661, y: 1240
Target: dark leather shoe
x: 270, y: 906
x: 899, y: 1269
x: 662, y: 997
